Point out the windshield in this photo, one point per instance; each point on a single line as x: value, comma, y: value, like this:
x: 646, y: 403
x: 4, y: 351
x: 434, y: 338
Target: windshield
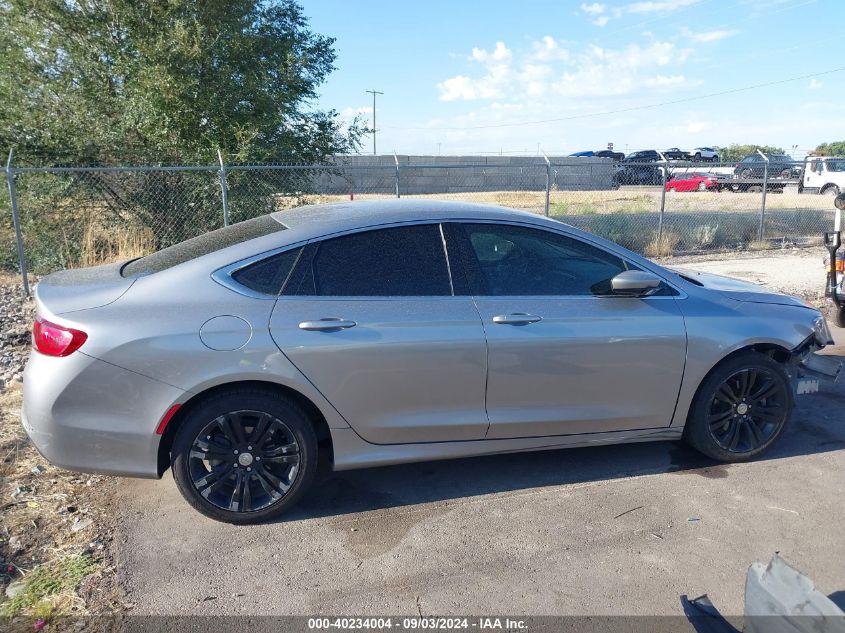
x: 202, y: 245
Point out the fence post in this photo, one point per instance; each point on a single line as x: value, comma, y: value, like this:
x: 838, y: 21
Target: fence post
x: 396, y: 160
x: 763, y: 197
x: 224, y: 189
x: 13, y: 199
x: 663, y: 171
x: 548, y: 184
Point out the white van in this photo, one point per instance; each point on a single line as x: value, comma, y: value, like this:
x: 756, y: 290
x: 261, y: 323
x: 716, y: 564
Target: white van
x: 825, y: 175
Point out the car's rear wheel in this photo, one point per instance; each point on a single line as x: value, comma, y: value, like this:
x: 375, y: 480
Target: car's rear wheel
x: 745, y: 173
x: 244, y: 456
x: 697, y: 156
x: 741, y: 408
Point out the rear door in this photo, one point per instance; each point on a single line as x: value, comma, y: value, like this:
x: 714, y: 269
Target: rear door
x: 371, y: 319
x: 564, y: 356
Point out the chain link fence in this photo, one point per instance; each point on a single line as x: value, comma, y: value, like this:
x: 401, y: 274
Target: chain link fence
x: 72, y: 217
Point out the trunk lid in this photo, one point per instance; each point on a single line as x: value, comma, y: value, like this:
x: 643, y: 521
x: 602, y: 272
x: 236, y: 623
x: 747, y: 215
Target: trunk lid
x: 80, y: 289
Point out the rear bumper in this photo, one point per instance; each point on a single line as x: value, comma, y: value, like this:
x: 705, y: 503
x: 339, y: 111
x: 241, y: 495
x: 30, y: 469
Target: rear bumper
x: 87, y: 415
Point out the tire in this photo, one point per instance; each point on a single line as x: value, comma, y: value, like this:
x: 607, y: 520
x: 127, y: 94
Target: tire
x: 720, y: 397
x: 233, y: 420
x: 715, y: 159
x: 830, y: 190
x: 838, y: 316
x: 697, y: 157
x: 702, y: 186
x: 786, y: 173
x: 672, y: 190
x: 745, y: 173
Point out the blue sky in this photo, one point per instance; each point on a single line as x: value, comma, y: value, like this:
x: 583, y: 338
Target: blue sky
x: 486, y: 77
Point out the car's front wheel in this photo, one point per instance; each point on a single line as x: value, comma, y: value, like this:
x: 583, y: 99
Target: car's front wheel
x: 740, y: 409
x: 244, y: 456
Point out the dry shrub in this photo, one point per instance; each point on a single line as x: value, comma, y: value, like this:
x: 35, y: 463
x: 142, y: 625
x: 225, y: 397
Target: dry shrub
x: 664, y: 246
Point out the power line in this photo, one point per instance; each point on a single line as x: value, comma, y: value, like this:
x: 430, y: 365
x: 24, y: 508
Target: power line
x: 623, y: 110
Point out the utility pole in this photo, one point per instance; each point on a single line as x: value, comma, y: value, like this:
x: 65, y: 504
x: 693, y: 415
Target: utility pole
x: 374, y: 93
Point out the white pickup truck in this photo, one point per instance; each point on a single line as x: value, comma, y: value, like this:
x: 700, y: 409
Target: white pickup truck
x: 825, y: 175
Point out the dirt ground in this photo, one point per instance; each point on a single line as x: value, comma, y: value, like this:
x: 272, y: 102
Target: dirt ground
x: 610, y: 530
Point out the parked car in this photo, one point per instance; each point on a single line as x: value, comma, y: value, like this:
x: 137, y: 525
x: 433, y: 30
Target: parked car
x: 608, y: 153
x: 605, y: 153
x: 643, y: 156
x: 692, y: 182
x: 704, y: 153
x: 380, y: 332
x: 825, y: 175
x: 780, y: 166
x: 675, y: 153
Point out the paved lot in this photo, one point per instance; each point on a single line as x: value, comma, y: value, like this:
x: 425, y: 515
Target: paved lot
x: 606, y: 530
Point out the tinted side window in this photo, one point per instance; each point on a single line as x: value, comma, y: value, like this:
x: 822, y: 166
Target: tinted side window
x: 513, y: 261
x: 268, y: 276
x: 396, y: 262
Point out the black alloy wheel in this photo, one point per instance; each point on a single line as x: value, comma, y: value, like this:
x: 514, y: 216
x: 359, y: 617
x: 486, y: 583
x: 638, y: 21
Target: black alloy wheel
x: 244, y: 461
x: 748, y: 409
x: 741, y: 408
x: 244, y: 455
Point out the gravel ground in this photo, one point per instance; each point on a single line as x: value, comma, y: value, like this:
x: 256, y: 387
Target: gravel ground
x: 797, y: 272
x: 16, y: 315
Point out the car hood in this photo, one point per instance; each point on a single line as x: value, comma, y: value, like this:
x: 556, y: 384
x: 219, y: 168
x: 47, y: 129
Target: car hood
x: 738, y: 289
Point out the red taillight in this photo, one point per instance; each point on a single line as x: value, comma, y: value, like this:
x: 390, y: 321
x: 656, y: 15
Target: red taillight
x: 56, y: 340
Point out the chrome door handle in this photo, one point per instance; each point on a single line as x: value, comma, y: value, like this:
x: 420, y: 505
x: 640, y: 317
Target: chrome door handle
x: 327, y: 325
x: 517, y: 318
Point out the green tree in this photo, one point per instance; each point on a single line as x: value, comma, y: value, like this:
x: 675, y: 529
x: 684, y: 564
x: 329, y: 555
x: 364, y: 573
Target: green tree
x: 145, y: 81
x: 157, y: 82
x: 735, y: 152
x: 836, y: 148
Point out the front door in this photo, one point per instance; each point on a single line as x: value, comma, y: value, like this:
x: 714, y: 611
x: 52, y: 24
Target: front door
x: 564, y: 356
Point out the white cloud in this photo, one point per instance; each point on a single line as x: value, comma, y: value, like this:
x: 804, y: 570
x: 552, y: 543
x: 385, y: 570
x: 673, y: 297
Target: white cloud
x: 548, y: 49
x: 500, y: 54
x: 593, y: 9
x: 709, y: 36
x: 658, y: 5
x: 637, y: 8
x: 547, y: 68
x: 815, y: 85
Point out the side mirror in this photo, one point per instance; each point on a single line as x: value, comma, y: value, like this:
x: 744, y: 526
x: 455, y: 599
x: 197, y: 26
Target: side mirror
x: 634, y: 283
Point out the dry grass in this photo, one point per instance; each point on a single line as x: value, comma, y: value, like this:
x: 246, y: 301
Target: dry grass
x: 102, y: 246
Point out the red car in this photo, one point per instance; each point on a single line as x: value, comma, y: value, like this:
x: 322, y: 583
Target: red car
x: 692, y: 182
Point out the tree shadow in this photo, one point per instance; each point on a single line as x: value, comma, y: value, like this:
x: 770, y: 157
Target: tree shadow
x: 817, y: 426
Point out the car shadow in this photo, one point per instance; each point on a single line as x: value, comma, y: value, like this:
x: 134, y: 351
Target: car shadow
x: 817, y: 426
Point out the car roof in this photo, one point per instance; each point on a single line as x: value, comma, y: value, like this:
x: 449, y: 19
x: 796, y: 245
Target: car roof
x: 312, y: 221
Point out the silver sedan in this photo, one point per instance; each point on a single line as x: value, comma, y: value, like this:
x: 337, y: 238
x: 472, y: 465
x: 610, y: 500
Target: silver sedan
x: 372, y: 333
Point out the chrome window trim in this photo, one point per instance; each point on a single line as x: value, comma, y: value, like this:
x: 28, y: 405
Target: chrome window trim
x: 223, y: 276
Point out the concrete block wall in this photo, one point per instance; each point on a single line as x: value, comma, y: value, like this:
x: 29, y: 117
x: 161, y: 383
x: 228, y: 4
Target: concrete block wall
x: 456, y: 174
